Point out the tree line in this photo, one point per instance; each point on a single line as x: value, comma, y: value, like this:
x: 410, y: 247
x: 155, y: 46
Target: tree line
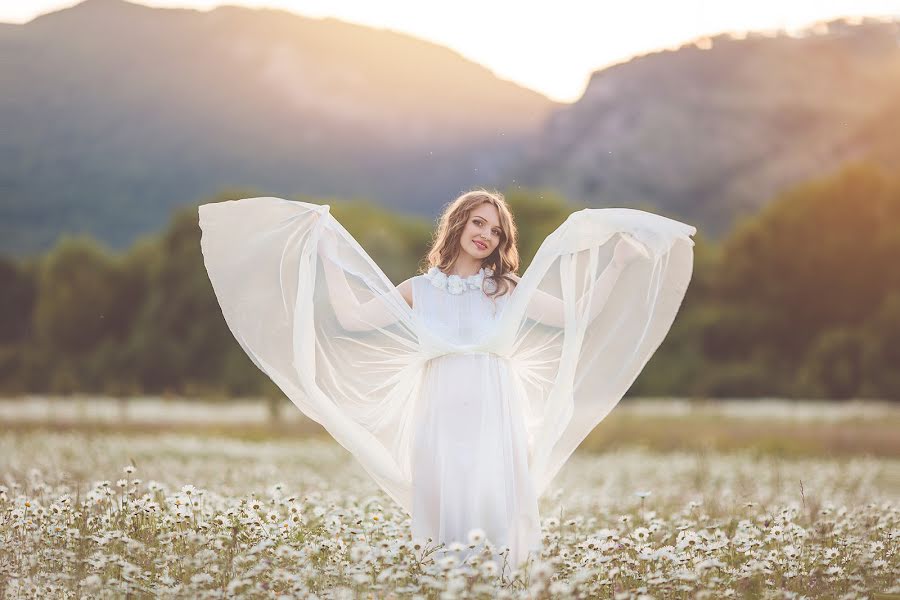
x: 800, y: 300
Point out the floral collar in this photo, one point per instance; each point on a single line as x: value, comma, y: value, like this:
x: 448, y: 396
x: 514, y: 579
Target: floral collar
x: 457, y: 285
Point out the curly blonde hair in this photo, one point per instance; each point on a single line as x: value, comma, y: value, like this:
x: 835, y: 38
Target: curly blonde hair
x: 445, y: 240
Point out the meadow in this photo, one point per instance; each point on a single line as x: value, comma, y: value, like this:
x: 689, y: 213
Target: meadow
x: 666, y: 499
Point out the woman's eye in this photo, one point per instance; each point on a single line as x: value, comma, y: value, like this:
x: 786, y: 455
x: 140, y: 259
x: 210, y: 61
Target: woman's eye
x: 479, y: 223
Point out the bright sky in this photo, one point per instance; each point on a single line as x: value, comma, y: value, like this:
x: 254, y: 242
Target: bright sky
x: 551, y: 47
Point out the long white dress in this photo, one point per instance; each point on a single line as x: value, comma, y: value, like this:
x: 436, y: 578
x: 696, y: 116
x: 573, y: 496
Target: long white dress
x: 470, y: 463
x: 463, y: 415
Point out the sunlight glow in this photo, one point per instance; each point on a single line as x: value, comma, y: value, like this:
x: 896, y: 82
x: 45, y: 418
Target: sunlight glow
x: 549, y: 48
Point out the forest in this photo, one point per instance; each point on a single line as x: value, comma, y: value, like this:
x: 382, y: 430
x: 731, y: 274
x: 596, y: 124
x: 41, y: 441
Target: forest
x: 801, y: 300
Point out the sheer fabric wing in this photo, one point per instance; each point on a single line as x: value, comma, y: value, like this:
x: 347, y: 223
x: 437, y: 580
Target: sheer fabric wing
x: 578, y: 331
x: 317, y: 315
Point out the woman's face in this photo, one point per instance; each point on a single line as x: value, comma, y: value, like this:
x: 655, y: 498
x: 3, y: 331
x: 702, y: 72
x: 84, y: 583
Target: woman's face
x: 482, y: 232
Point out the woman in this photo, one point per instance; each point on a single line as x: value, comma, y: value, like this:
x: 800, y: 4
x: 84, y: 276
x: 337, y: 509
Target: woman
x: 464, y: 389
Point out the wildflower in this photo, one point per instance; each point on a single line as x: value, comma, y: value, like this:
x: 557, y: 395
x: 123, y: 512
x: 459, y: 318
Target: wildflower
x: 541, y: 570
x: 92, y: 581
x: 607, y: 534
x: 416, y: 544
x: 237, y: 584
x: 358, y: 552
x: 641, y: 534
x: 708, y: 564
x: 201, y: 578
x: 489, y: 568
x: 476, y: 536
x: 559, y: 588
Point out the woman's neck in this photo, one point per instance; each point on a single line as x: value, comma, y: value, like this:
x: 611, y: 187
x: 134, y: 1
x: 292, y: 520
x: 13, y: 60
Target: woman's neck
x: 464, y: 266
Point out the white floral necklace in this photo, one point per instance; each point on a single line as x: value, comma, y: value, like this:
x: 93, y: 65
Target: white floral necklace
x: 457, y: 285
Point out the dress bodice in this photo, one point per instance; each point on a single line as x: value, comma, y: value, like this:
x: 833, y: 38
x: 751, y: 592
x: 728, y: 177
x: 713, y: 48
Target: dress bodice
x: 462, y: 318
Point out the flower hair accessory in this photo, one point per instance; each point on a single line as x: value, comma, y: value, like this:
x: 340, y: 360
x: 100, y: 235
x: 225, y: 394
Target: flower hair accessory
x: 457, y: 285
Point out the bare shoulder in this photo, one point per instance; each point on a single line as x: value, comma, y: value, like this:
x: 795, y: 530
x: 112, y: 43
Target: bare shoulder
x: 405, y: 289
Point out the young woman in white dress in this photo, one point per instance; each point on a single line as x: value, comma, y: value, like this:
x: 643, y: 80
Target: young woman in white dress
x: 470, y: 465
x: 465, y: 388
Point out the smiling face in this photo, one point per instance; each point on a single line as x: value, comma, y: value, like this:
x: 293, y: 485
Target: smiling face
x: 482, y: 233
x: 476, y: 230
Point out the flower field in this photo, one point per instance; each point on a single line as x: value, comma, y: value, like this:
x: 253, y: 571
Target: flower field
x: 101, y: 514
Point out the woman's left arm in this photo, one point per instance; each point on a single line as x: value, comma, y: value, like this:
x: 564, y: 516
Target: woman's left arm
x: 548, y: 310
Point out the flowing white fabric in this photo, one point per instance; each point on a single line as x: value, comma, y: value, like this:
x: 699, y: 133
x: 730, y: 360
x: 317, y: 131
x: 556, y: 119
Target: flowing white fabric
x: 461, y: 408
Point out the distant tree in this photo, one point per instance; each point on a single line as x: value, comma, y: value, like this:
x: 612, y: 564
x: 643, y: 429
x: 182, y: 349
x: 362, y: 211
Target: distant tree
x: 834, y: 365
x: 823, y: 255
x: 76, y: 296
x: 19, y: 284
x: 180, y: 334
x: 881, y: 352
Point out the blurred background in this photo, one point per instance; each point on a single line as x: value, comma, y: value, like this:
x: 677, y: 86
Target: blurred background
x: 774, y: 130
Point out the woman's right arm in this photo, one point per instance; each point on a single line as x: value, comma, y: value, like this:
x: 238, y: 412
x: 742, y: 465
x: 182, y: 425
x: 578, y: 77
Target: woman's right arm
x: 352, y: 314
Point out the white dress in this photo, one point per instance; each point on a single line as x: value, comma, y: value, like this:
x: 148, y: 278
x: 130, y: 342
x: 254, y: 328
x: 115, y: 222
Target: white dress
x: 470, y: 463
x: 462, y: 414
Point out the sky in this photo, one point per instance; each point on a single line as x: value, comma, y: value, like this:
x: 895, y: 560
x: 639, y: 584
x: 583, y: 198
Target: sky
x: 551, y: 47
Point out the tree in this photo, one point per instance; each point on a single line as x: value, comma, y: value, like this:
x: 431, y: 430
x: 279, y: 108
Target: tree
x: 76, y: 296
x: 820, y: 257
x: 834, y: 364
x: 881, y: 352
x: 19, y: 285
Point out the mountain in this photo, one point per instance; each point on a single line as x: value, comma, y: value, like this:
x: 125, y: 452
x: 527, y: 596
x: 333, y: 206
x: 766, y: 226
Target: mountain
x: 114, y: 113
x: 713, y: 130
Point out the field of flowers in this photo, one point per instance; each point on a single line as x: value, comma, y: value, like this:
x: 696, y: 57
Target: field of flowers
x: 174, y: 515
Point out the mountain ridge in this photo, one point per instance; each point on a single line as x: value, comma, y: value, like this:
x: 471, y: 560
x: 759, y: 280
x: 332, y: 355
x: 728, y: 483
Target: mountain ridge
x: 106, y: 134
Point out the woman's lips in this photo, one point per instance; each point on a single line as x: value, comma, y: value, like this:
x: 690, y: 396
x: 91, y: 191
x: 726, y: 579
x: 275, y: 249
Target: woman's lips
x: 481, y: 245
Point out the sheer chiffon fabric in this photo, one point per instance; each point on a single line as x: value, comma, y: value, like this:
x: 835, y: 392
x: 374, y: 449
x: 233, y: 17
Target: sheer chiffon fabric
x: 461, y: 408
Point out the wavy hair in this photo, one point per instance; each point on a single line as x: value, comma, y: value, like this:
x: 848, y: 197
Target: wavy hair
x: 445, y: 245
